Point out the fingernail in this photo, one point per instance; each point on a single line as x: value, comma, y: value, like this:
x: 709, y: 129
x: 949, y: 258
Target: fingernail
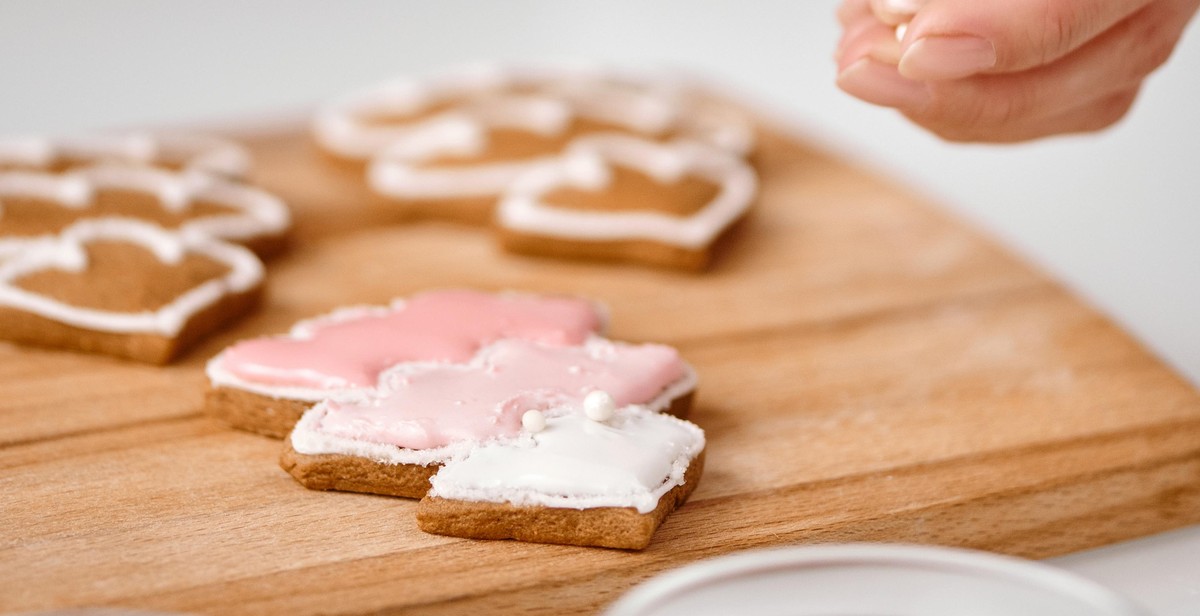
x: 947, y: 57
x: 881, y: 84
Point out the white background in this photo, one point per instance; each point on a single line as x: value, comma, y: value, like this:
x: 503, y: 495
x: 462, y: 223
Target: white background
x: 1115, y: 215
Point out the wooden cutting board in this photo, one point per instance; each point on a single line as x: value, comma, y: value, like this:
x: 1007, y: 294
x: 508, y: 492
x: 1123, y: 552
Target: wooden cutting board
x: 871, y: 369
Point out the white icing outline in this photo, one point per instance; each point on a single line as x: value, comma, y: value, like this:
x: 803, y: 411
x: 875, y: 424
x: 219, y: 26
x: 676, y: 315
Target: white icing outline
x: 307, y: 438
x: 584, y: 167
x: 339, y: 126
x: 260, y: 214
x: 67, y: 251
x: 219, y: 376
x: 587, y: 497
x: 191, y: 152
x: 400, y: 171
x: 719, y: 126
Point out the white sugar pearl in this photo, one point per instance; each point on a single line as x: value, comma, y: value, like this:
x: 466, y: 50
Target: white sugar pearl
x: 533, y: 421
x: 901, y: 30
x: 599, y: 406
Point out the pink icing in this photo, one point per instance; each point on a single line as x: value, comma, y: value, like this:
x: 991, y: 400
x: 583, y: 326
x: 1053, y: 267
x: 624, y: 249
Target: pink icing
x: 449, y: 326
x: 435, y: 406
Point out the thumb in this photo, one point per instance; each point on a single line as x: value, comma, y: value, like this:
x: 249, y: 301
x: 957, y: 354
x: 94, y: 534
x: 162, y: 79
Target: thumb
x: 949, y: 39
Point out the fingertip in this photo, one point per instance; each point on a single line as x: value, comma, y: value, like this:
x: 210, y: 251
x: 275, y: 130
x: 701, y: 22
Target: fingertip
x: 881, y: 84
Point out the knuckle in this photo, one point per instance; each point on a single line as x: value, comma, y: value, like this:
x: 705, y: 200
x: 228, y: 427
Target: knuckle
x: 1140, y: 55
x: 1156, y: 53
x: 980, y: 109
x: 1155, y: 35
x: 1113, y: 108
x: 1061, y: 24
x: 953, y: 133
x: 984, y: 102
x: 949, y: 131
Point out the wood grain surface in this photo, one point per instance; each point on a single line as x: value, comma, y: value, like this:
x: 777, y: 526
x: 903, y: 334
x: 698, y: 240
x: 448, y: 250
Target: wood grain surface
x: 871, y: 369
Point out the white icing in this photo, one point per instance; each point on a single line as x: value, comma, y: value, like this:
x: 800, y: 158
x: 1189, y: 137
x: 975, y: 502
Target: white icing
x: 308, y: 438
x: 400, y: 170
x: 222, y: 377
x: 26, y: 151
x: 198, y: 153
x: 68, y: 251
x: 631, y: 461
x: 648, y: 104
x: 522, y: 208
x: 343, y: 127
x: 541, y: 115
x: 175, y: 191
x: 587, y: 170
x: 257, y: 214
x: 72, y: 191
x: 726, y: 129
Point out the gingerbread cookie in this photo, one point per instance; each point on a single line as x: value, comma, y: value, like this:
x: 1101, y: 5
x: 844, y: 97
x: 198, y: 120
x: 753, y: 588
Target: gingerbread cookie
x: 603, y: 480
x: 425, y: 415
x: 618, y: 197
x: 446, y: 147
x: 171, y: 151
x: 35, y: 204
x: 363, y: 124
x: 265, y: 384
x: 125, y: 288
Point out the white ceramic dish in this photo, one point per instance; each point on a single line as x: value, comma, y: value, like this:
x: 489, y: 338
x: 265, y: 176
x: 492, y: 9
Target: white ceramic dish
x: 871, y: 580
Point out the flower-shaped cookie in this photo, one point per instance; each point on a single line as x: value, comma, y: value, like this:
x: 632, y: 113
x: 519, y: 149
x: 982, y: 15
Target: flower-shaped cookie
x: 625, y: 198
x: 125, y: 288
x: 560, y: 444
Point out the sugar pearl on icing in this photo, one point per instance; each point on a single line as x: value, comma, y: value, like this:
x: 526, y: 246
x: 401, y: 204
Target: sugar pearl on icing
x: 533, y: 421
x: 599, y: 406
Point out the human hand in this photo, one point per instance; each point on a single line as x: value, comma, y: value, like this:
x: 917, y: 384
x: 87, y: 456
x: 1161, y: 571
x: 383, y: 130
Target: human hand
x: 1006, y: 70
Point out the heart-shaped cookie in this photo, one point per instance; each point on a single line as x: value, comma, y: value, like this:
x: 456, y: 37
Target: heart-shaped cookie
x: 35, y: 204
x: 584, y: 204
x: 125, y: 288
x: 265, y: 384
